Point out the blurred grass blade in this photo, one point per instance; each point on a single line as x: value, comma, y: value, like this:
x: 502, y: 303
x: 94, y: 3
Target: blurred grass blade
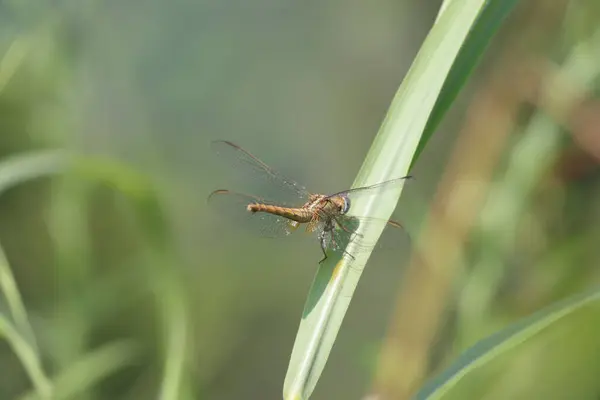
x: 488, y: 22
x: 166, y: 285
x: 494, y: 347
x: 139, y: 189
x: 175, y: 315
x: 22, y: 168
x: 83, y: 374
x: 12, y: 60
x: 532, y: 156
x: 28, y: 356
x: 390, y: 157
x: 13, y: 171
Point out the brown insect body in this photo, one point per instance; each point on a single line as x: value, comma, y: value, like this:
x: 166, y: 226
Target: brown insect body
x: 321, y: 213
x: 300, y: 215
x: 315, y: 209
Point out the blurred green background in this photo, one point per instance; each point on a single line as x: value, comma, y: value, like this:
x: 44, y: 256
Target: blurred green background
x: 121, y: 258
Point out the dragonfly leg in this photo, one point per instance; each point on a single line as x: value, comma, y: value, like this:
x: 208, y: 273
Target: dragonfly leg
x: 349, y: 255
x: 323, y: 247
x: 336, y: 245
x: 346, y: 229
x: 342, y: 226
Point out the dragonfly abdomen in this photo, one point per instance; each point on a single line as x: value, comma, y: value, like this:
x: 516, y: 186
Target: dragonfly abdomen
x: 295, y: 214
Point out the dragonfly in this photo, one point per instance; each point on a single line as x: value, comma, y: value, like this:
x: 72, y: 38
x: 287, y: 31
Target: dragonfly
x: 327, y: 216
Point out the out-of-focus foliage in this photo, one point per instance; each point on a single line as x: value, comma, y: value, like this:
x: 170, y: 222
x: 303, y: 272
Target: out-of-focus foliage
x: 119, y: 282
x: 390, y: 156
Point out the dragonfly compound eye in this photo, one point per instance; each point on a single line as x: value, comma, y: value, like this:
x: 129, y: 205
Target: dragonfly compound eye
x: 347, y: 204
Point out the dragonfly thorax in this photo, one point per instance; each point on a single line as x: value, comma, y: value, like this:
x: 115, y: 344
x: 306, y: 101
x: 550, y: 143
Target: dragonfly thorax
x: 314, y: 202
x: 322, y: 204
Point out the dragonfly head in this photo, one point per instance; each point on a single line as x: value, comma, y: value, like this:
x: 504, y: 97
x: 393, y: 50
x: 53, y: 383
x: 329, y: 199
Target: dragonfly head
x: 345, y: 204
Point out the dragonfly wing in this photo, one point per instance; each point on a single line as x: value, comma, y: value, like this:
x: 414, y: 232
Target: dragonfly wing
x: 254, y: 168
x: 392, y: 236
x: 348, y: 224
x: 373, y: 190
x: 234, y: 205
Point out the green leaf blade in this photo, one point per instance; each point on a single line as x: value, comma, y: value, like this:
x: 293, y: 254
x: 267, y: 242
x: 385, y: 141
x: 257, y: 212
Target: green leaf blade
x: 485, y: 352
x: 389, y: 157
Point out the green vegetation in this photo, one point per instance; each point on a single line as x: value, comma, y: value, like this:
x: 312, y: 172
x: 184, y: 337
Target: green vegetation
x: 117, y: 282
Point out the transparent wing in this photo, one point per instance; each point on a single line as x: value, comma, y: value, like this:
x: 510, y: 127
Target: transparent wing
x: 347, y: 225
x: 373, y: 190
x: 233, y: 205
x: 253, y: 168
x: 346, y: 229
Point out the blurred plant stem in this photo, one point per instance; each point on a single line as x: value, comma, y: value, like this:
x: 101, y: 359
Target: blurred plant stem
x: 11, y: 61
x: 533, y: 156
x: 438, y: 257
x: 14, y: 325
